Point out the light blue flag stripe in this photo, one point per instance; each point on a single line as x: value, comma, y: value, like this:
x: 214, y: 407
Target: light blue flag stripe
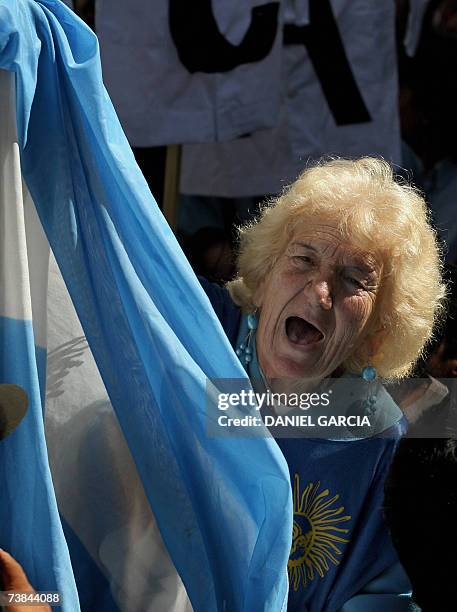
x: 223, y: 505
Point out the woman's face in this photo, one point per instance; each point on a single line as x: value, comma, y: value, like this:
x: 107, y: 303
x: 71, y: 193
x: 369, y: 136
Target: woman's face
x: 315, y: 305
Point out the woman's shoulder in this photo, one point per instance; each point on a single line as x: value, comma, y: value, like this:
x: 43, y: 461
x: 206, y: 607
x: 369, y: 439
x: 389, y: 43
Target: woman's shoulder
x: 228, y: 313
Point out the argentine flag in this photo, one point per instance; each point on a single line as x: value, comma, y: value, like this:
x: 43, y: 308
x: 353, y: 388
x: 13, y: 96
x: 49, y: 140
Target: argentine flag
x: 105, y: 326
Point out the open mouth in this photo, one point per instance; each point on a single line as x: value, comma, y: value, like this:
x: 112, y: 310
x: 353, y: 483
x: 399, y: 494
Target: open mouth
x: 301, y: 332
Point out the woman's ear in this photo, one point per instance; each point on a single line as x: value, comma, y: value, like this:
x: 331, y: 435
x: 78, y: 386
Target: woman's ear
x: 257, y: 297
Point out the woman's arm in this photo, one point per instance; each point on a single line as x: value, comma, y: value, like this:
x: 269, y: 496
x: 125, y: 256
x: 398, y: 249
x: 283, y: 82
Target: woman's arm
x: 388, y: 592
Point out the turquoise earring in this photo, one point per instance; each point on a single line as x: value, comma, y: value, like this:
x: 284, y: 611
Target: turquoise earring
x: 369, y: 374
x: 244, y: 350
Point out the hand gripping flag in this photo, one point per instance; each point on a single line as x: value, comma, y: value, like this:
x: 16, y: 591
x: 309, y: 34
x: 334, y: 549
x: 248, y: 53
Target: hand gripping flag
x: 223, y: 505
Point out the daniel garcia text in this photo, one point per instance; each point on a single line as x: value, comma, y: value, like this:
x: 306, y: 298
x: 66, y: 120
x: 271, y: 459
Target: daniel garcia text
x: 295, y: 420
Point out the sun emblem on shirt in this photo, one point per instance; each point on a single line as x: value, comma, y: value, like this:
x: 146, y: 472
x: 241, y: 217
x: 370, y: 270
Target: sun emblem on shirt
x: 318, y: 534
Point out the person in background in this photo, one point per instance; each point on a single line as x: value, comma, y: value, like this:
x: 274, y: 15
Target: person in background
x: 428, y: 397
x: 428, y: 97
x: 210, y: 253
x: 421, y: 508
x: 421, y: 491
x: 442, y: 362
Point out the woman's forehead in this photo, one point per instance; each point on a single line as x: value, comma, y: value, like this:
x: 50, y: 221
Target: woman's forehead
x: 330, y: 241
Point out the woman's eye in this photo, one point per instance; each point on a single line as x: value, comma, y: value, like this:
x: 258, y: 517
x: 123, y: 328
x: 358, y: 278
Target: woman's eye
x: 303, y: 259
x: 354, y: 282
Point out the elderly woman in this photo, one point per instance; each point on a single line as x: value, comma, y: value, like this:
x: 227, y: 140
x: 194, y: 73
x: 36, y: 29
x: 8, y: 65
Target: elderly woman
x: 339, y: 277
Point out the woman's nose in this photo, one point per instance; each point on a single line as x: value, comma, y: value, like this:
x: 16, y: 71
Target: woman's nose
x: 322, y: 294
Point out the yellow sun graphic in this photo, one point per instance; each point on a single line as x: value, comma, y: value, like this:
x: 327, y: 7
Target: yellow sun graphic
x: 316, y: 534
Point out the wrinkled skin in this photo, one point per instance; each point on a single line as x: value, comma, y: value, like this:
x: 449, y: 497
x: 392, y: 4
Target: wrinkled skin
x: 329, y: 283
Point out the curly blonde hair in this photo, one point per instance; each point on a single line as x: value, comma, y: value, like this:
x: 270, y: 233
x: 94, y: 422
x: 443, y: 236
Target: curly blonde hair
x: 377, y: 212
